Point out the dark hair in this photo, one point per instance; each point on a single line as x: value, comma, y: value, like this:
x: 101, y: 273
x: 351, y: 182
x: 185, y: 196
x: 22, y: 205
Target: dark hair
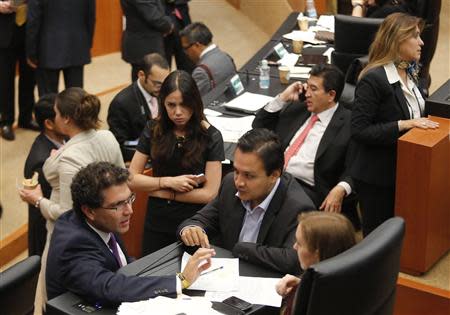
x: 333, y: 78
x: 164, y: 139
x: 44, y: 110
x: 89, y: 183
x: 327, y: 232
x: 197, y: 32
x: 83, y: 108
x: 151, y: 60
x: 266, y: 144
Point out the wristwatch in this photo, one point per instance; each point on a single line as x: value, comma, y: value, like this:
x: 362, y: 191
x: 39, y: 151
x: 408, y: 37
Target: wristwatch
x: 184, y: 283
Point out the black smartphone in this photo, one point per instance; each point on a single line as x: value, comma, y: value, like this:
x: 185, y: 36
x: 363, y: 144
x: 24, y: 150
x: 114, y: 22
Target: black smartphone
x: 302, y: 96
x: 237, y: 303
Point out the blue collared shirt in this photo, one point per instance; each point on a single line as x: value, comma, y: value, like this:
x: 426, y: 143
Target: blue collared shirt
x: 253, y: 217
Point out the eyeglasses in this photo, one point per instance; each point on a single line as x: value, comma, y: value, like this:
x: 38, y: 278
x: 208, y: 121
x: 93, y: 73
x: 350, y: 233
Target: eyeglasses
x: 120, y: 206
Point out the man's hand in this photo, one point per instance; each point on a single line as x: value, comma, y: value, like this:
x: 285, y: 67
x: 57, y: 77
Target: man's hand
x: 291, y: 93
x: 333, y: 202
x: 182, y: 183
x: 6, y: 7
x: 199, y: 262
x: 31, y: 195
x: 32, y: 63
x: 194, y: 236
x: 286, y: 284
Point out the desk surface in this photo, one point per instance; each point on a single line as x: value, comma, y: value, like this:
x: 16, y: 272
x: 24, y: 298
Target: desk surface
x: 166, y: 261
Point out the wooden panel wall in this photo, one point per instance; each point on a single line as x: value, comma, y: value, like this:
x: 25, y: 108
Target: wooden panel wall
x: 108, y: 27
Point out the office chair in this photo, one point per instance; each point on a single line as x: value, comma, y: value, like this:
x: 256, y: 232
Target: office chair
x: 361, y: 280
x: 18, y: 286
x: 352, y: 39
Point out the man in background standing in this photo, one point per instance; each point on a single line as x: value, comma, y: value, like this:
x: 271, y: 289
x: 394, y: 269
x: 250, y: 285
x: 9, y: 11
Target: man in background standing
x: 59, y: 38
x: 12, y: 50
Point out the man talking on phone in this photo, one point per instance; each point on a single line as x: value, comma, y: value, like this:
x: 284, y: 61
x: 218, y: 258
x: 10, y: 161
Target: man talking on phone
x: 315, y: 133
x: 255, y: 212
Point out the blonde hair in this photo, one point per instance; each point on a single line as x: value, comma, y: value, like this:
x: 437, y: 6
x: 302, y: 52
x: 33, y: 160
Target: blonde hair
x: 328, y: 233
x: 395, y: 29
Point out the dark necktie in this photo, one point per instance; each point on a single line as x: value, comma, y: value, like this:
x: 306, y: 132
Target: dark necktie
x: 112, y: 243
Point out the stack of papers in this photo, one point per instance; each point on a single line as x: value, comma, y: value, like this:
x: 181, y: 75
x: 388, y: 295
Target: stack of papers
x: 163, y: 305
x: 306, y: 36
x: 222, y: 276
x: 249, y: 102
x: 232, y: 128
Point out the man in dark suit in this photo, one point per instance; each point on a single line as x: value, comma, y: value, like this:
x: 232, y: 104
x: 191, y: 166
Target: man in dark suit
x: 86, y: 251
x: 255, y: 213
x: 213, y: 66
x: 146, y: 26
x: 12, y: 50
x: 59, y: 38
x: 316, y: 138
x: 130, y: 110
x: 49, y: 139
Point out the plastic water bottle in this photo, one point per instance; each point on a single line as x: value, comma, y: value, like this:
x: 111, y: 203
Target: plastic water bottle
x: 264, y: 75
x: 311, y: 9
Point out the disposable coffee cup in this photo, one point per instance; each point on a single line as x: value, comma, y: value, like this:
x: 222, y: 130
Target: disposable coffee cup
x: 284, y: 73
x: 297, y: 46
x: 29, y: 183
x: 303, y: 23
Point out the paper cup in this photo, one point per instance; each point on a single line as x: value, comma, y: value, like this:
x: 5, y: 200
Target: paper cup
x: 297, y: 46
x: 303, y: 24
x: 29, y: 184
x: 284, y: 73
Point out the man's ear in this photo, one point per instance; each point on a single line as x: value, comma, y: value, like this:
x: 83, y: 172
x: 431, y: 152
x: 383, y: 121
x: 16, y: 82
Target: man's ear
x: 141, y: 75
x: 88, y: 212
x: 332, y: 95
x: 49, y: 124
x: 275, y: 174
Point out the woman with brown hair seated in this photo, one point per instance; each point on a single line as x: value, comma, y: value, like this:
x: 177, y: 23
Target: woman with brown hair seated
x: 320, y: 235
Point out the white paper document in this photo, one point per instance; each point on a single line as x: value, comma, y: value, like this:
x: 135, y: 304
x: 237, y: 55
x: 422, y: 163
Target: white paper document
x: 249, y: 102
x: 327, y: 22
x: 166, y: 306
x: 289, y: 60
x: 306, y: 36
x: 232, y: 128
x: 223, y: 275
x: 252, y: 289
x: 211, y: 112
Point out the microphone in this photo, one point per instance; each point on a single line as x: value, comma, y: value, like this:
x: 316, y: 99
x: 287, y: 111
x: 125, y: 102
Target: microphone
x: 154, y: 264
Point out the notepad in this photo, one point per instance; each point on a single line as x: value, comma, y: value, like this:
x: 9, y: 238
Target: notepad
x: 248, y: 102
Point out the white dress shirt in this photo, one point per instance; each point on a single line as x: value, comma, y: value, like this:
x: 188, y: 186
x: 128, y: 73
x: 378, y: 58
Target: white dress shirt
x: 207, y: 49
x: 148, y: 98
x: 414, y: 100
x: 301, y: 165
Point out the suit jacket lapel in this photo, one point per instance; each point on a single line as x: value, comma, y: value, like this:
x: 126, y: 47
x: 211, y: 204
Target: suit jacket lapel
x: 336, y: 123
x: 142, y: 101
x: 236, y: 216
x: 272, y: 211
x: 401, y: 100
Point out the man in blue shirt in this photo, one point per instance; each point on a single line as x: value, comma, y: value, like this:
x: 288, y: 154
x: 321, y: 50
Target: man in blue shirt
x: 255, y: 213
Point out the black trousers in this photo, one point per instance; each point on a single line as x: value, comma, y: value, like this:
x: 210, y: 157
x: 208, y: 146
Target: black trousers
x: 377, y: 204
x: 9, y: 57
x: 37, y: 232
x: 48, y: 79
x: 172, y: 42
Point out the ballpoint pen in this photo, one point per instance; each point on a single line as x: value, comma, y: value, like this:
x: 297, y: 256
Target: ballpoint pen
x: 209, y: 271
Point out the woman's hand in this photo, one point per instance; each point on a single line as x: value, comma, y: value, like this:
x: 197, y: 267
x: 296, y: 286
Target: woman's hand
x: 422, y: 123
x: 286, y: 284
x: 6, y: 7
x: 182, y: 183
x: 31, y: 195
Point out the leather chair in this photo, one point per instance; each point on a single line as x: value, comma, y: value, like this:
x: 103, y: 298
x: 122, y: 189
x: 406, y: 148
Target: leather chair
x: 352, y: 39
x: 361, y: 280
x: 18, y: 286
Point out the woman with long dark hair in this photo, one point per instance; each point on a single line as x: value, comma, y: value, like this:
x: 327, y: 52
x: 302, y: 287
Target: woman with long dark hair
x: 181, y: 145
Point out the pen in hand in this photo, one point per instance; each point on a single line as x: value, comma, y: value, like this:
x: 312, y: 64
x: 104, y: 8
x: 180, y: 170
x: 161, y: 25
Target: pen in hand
x: 212, y: 270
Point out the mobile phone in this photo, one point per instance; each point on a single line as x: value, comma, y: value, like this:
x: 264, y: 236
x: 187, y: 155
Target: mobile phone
x: 302, y: 96
x: 237, y: 303
x: 200, y: 178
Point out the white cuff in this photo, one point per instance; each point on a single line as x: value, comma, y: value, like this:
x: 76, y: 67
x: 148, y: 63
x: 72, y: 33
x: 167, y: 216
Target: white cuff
x: 346, y: 186
x: 275, y: 105
x: 178, y: 285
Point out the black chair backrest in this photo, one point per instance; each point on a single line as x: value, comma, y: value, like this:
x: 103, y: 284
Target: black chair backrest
x: 352, y: 38
x: 18, y: 286
x: 361, y: 280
